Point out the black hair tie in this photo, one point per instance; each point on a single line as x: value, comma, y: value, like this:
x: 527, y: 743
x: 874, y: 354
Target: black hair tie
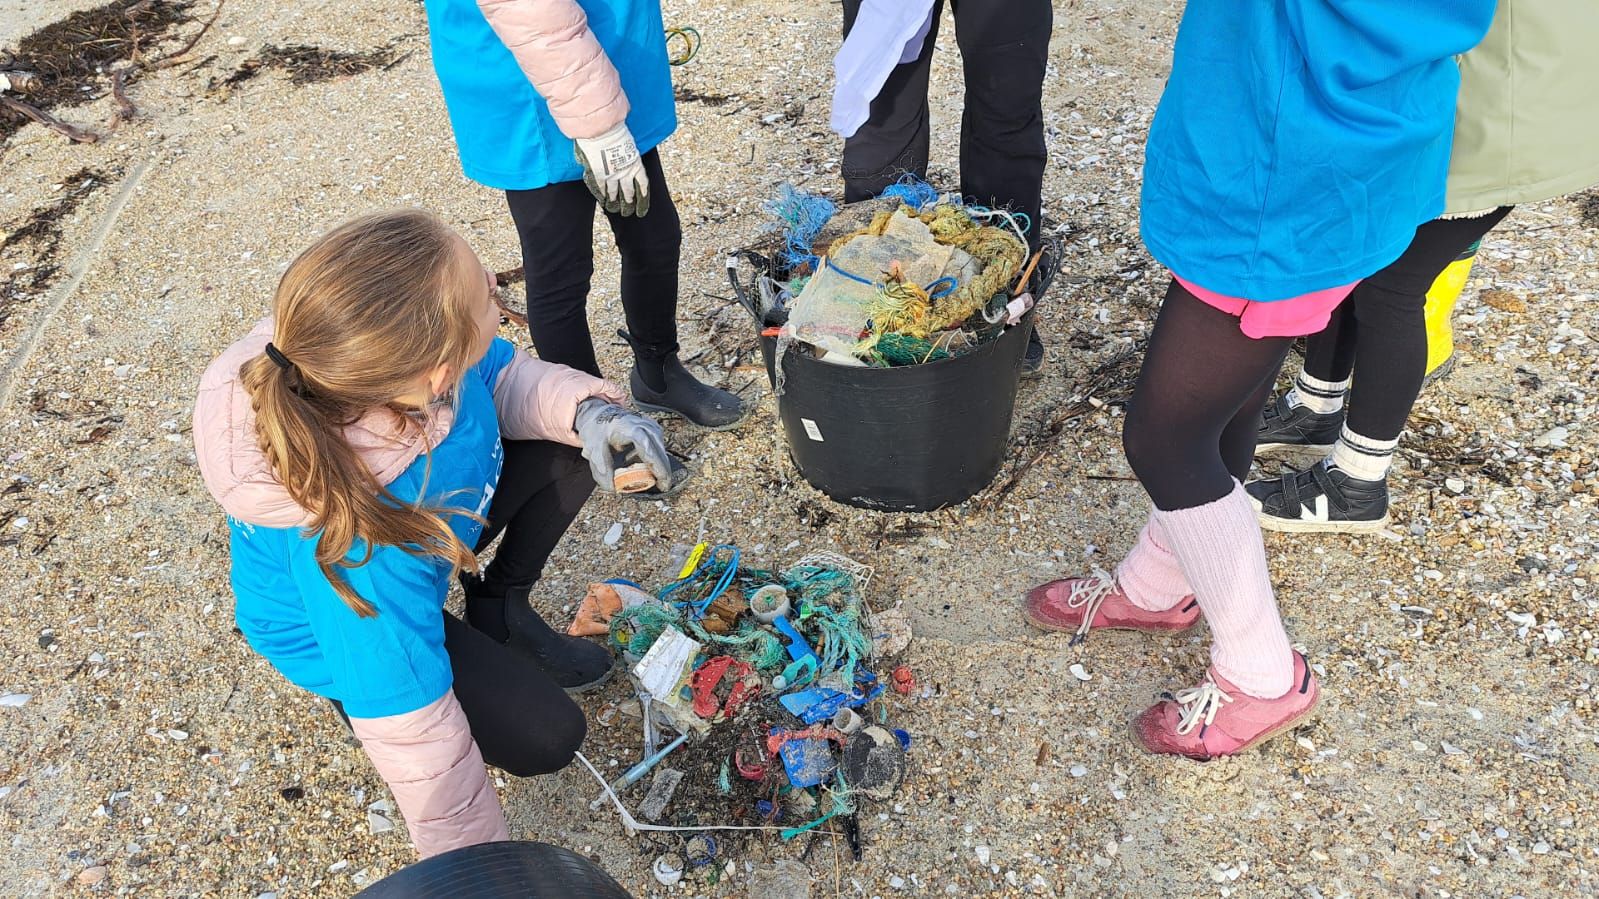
x: 277, y: 357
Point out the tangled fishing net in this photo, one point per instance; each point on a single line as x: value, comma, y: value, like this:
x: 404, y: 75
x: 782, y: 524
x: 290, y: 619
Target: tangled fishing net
x: 917, y: 283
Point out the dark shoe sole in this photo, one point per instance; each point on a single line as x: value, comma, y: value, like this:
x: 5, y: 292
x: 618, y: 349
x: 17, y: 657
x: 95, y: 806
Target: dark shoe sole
x: 595, y: 684
x: 667, y: 410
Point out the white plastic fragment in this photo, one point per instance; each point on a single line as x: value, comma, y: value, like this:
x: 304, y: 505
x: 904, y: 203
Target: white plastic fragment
x: 1079, y: 672
x: 15, y: 700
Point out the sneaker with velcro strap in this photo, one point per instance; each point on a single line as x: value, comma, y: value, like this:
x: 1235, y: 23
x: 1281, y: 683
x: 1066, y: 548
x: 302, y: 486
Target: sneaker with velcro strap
x: 1320, y: 499
x: 1284, y: 425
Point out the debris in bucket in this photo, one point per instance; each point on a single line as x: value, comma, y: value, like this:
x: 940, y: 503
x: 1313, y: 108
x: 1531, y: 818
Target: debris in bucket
x: 923, y: 278
x: 765, y: 678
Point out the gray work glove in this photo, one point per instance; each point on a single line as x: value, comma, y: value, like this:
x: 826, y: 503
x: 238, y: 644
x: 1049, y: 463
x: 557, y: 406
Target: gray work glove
x: 607, y: 430
x: 614, y: 172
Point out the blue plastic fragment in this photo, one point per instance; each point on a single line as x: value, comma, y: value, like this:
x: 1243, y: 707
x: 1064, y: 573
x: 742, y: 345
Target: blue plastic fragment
x: 815, y: 704
x: 822, y: 703
x: 797, y: 647
x: 768, y: 811
x: 904, y: 738
x: 807, y: 762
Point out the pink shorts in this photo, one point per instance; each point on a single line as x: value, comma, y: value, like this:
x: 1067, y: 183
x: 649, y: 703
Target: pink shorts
x: 1295, y: 317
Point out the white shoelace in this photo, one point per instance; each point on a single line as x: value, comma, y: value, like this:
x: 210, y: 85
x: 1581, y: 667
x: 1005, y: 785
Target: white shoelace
x: 1089, y: 594
x: 1199, y: 705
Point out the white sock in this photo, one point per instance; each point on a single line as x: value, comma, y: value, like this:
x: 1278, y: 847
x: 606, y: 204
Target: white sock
x: 1362, y: 457
x: 1321, y: 397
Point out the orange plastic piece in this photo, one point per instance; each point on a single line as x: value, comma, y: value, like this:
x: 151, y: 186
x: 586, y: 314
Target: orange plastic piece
x: 595, y: 612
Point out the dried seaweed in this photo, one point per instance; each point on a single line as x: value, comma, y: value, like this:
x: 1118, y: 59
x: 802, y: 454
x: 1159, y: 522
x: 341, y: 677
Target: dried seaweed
x: 74, y: 56
x: 305, y: 64
x: 40, y: 233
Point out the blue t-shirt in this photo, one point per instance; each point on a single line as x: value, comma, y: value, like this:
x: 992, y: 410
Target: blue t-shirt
x: 504, y: 132
x: 1299, y: 143
x: 395, y: 662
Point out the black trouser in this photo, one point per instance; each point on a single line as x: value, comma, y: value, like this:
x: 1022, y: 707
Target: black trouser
x: 1004, y: 51
x: 556, y: 227
x: 1192, y: 420
x: 1382, y: 328
x: 520, y: 719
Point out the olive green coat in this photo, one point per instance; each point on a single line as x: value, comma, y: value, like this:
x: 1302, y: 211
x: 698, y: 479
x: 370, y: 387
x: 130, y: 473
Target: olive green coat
x: 1527, y: 121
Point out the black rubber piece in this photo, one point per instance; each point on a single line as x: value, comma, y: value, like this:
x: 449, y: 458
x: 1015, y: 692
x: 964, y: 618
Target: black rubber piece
x: 509, y: 870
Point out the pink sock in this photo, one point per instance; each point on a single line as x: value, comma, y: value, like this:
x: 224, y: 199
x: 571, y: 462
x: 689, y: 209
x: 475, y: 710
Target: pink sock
x: 1150, y: 575
x: 1220, y: 549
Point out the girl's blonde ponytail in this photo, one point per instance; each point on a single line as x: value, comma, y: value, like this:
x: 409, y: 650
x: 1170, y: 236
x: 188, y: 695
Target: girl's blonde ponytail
x: 359, y: 317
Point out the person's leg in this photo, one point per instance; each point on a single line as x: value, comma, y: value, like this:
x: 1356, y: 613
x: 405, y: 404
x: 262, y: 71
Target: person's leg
x: 1348, y: 493
x: 1391, y: 341
x: 1209, y: 428
x: 650, y: 248
x: 542, y: 488
x: 522, y: 721
x: 1004, y: 53
x: 556, y: 227
x: 894, y: 139
x: 1199, y: 371
x: 1329, y: 362
x: 1199, y: 377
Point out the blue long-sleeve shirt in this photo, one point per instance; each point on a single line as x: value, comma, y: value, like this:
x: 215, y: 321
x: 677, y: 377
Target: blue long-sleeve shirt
x: 1299, y: 143
x: 395, y: 662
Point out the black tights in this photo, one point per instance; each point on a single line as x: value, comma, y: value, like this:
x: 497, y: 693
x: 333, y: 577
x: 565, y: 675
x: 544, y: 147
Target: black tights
x: 556, y: 226
x: 522, y: 721
x: 1383, y: 326
x: 1191, y: 424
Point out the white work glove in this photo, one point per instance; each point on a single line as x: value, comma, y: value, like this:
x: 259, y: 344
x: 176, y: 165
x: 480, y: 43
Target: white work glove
x: 614, y: 172
x: 608, y: 430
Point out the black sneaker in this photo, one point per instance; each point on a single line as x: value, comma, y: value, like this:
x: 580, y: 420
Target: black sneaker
x: 1285, y: 426
x: 1033, y: 359
x: 575, y: 664
x: 1320, y: 500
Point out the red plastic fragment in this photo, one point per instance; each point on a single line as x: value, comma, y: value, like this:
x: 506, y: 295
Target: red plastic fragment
x: 904, y: 680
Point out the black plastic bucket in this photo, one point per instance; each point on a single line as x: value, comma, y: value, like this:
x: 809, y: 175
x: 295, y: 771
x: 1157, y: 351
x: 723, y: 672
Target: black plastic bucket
x: 907, y: 439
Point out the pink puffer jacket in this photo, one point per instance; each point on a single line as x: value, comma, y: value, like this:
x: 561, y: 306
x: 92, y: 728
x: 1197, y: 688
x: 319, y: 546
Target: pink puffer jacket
x: 428, y: 756
x: 561, y: 57
x: 535, y: 400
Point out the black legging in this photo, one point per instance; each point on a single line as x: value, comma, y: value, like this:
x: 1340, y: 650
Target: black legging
x: 556, y: 227
x: 1191, y: 424
x: 1382, y: 328
x: 522, y: 721
x: 1004, y: 48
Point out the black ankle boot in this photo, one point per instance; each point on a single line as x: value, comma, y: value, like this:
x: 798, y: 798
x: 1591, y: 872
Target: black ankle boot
x: 660, y: 383
x: 575, y: 664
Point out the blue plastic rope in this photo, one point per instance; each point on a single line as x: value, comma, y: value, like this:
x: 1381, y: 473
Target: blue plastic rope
x: 722, y: 583
x: 851, y: 275
x: 934, y: 291
x: 912, y: 191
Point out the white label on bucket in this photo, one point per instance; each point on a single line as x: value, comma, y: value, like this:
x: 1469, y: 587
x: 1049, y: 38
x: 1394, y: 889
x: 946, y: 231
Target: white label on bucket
x: 812, y: 431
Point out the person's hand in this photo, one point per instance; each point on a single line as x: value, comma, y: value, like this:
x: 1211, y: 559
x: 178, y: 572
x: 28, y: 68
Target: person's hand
x: 614, y: 172
x: 607, y: 430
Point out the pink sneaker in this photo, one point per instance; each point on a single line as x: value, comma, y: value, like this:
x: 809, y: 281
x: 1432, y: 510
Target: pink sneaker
x: 1082, y: 603
x: 1216, y: 719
